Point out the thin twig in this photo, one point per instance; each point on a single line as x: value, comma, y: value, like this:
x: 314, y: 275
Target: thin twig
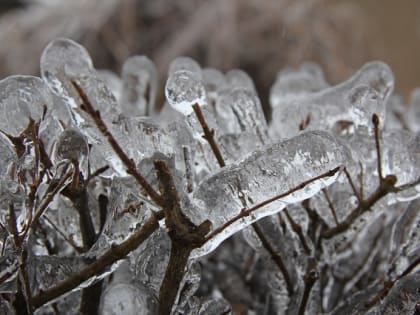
x: 309, y: 279
x: 188, y: 170
x: 276, y: 258
x: 78, y: 249
x: 352, y: 185
x: 375, y: 121
x: 209, y: 135
x: 128, y: 162
x: 330, y: 205
x: 386, y: 186
x: 298, y: 230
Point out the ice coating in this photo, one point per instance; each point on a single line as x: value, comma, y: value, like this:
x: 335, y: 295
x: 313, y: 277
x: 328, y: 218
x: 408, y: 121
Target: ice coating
x: 184, y: 63
x: 237, y: 78
x: 64, y: 60
x: 7, y: 156
x: 140, y: 81
x: 239, y: 110
x: 21, y: 98
x: 308, y: 79
x: 335, y: 108
x: 183, y: 89
x: 281, y: 167
x: 214, y: 81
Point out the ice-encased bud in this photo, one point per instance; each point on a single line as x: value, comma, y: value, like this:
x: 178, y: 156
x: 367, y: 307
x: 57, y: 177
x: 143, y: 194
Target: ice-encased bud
x: 264, y: 174
x: 185, y: 64
x: 140, y: 80
x: 237, y: 78
x: 184, y: 89
x: 239, y: 110
x: 71, y: 145
x: 21, y: 98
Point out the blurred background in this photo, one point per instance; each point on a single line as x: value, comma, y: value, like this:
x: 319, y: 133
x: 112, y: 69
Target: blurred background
x: 258, y: 36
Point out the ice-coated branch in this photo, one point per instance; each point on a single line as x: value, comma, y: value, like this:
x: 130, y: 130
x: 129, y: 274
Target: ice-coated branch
x: 250, y: 211
x: 129, y: 163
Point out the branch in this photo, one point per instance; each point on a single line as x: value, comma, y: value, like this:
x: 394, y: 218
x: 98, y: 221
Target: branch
x: 97, y: 267
x: 128, y: 162
x: 209, y: 135
x: 276, y: 258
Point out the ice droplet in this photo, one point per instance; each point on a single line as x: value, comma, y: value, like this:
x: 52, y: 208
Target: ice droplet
x: 183, y: 89
x: 71, y: 145
x: 140, y: 80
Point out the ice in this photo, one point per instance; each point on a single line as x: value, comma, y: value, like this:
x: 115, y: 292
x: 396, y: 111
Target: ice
x: 340, y: 108
x: 128, y: 210
x: 152, y: 260
x: 214, y: 82
x: 125, y: 295
x: 21, y: 98
x: 7, y: 156
x: 263, y: 175
x: 184, y: 63
x: 63, y: 61
x: 308, y: 79
x: 113, y: 81
x: 9, y: 269
x: 140, y: 82
x: 240, y: 111
x: 12, y: 194
x: 237, y: 78
x: 184, y: 89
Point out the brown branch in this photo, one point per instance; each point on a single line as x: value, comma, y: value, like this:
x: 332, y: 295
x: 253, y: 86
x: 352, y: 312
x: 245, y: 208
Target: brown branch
x: 276, y: 258
x: 128, y: 162
x: 247, y: 212
x: 185, y: 236
x: 375, y: 121
x: 330, y: 205
x: 310, y: 277
x: 352, y: 185
x: 298, y: 230
x: 97, y: 267
x: 209, y: 135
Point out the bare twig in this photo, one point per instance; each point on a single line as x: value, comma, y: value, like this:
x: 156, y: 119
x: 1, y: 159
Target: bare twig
x: 276, y: 258
x: 209, y: 135
x: 298, y: 230
x: 330, y: 205
x: 310, y: 277
x: 375, y: 121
